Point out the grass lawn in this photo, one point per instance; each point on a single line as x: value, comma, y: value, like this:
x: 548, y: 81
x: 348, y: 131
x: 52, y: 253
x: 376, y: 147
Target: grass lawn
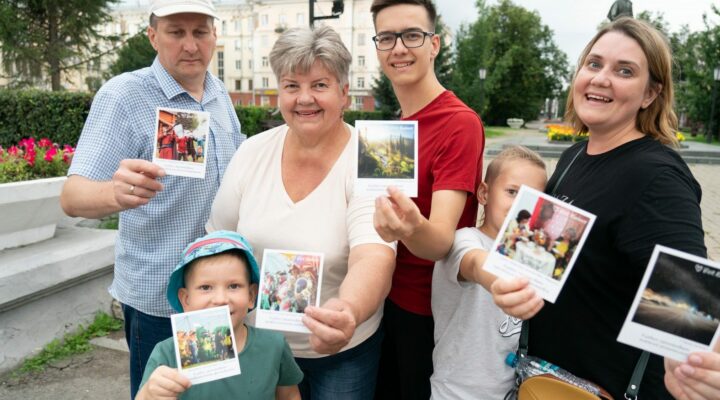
x: 699, y: 139
x: 496, y: 131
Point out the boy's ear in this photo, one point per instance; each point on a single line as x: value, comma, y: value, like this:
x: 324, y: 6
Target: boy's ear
x: 183, y: 296
x: 482, y: 193
x: 253, y: 295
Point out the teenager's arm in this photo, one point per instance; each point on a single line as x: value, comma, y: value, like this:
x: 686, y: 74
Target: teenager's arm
x: 399, y: 218
x: 287, y: 393
x: 362, y: 292
x: 134, y: 184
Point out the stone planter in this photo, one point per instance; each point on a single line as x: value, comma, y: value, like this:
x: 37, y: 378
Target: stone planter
x: 29, y: 211
x: 515, y: 123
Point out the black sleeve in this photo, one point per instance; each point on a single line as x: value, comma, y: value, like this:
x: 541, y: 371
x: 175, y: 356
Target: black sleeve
x: 667, y: 213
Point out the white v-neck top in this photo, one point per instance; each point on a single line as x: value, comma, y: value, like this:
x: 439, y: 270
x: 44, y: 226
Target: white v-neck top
x: 252, y: 200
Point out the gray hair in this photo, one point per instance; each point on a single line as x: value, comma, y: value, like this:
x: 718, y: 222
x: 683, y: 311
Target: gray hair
x: 297, y: 49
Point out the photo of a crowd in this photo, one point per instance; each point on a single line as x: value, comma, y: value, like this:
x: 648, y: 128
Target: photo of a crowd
x: 201, y: 346
x: 289, y: 281
x: 544, y: 239
x: 181, y: 136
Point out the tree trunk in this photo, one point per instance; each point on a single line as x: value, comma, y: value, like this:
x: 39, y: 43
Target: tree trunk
x: 53, y: 48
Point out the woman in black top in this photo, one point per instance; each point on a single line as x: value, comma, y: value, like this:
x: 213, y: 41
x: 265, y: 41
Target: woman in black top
x: 642, y: 193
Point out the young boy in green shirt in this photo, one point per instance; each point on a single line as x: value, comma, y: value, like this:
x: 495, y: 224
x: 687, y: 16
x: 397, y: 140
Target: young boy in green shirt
x: 216, y: 270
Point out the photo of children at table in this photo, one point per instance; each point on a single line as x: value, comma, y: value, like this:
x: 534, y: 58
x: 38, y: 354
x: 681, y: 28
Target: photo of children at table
x: 545, y: 239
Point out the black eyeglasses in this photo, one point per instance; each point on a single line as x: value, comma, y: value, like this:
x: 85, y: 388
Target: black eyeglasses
x: 410, y: 39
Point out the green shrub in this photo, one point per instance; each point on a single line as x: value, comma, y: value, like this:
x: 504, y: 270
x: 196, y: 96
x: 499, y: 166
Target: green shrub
x: 58, y: 116
x: 351, y: 116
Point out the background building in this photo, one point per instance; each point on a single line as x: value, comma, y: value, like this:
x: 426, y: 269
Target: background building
x: 247, y: 30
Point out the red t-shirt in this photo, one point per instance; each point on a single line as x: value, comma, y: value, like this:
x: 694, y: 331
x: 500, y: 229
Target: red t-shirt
x: 451, y: 144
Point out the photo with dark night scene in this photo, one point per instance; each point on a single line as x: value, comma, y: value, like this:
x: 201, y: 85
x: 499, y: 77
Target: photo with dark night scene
x: 681, y: 298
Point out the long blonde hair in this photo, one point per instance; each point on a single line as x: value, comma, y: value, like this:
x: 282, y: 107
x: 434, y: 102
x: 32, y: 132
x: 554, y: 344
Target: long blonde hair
x: 658, y: 120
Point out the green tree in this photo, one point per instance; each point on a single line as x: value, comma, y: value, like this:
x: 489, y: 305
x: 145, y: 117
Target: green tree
x: 135, y: 53
x: 385, y: 100
x: 44, y: 38
x: 524, y: 66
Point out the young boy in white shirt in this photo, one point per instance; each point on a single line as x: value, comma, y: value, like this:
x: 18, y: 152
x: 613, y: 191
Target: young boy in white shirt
x: 472, y: 335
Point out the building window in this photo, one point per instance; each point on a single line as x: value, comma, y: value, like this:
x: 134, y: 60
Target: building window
x: 264, y: 41
x: 300, y: 19
x: 265, y: 82
x: 250, y: 64
x: 361, y: 61
x: 238, y: 64
x: 250, y: 84
x: 221, y: 65
x: 238, y: 85
x: 238, y: 44
x: 264, y: 61
x: 283, y: 19
x: 361, y: 39
x: 238, y: 26
x: 264, y: 20
x: 361, y: 83
x: 223, y: 28
x: 264, y: 101
x: 358, y: 102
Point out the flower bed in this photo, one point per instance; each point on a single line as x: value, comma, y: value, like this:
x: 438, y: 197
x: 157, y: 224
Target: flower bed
x: 31, y: 159
x: 565, y: 133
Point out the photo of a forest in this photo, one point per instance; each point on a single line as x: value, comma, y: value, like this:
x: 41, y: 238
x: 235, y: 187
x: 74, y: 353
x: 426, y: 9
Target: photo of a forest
x: 386, y: 152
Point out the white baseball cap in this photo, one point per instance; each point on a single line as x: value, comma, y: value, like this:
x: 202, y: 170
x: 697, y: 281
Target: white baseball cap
x: 163, y: 8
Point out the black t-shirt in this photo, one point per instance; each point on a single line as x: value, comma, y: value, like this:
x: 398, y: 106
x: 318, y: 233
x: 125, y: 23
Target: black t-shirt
x: 643, y: 194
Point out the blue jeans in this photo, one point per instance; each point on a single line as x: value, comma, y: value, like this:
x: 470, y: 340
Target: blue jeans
x: 349, y: 375
x: 142, y: 332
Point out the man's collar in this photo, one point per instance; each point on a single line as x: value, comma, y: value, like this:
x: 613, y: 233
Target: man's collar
x: 172, y: 88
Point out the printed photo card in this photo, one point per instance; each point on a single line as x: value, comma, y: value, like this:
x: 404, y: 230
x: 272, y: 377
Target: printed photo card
x: 181, y: 141
x: 540, y: 239
x: 289, y: 282
x: 387, y: 156
x: 205, y: 347
x: 676, y: 310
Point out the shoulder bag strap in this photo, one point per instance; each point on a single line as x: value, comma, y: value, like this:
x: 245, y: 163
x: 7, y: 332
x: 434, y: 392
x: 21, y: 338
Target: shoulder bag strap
x: 562, y: 176
x: 634, y: 386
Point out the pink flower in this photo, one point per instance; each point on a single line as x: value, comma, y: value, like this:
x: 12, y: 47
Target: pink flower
x: 50, y: 154
x: 30, y: 157
x: 68, y: 149
x: 45, y: 142
x: 13, y: 151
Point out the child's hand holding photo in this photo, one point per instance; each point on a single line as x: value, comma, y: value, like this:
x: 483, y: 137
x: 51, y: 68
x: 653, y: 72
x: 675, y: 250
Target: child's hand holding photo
x: 164, y: 383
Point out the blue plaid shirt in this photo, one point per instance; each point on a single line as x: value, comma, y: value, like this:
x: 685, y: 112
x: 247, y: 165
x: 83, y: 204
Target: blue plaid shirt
x: 121, y: 125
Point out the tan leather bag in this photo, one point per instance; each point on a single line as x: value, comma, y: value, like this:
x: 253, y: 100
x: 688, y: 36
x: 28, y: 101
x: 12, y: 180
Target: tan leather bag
x: 548, y: 387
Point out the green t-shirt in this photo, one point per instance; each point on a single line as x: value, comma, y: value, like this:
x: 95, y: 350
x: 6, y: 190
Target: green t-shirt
x: 266, y: 362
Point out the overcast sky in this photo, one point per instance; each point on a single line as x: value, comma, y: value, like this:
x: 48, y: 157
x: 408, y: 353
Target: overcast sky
x: 574, y: 21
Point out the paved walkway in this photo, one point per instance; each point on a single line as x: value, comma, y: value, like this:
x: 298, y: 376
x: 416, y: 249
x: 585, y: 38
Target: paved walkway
x: 708, y: 175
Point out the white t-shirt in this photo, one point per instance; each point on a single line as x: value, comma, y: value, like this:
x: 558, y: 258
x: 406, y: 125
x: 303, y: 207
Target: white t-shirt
x: 252, y: 200
x: 472, y: 335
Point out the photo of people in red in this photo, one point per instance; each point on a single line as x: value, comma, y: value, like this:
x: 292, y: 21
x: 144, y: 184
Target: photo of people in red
x: 289, y: 282
x: 179, y: 137
x: 544, y: 239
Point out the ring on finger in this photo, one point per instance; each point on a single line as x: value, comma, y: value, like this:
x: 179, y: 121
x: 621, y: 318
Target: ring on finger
x: 132, y: 189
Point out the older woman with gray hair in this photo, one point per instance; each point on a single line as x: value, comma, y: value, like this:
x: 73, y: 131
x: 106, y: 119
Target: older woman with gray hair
x: 291, y: 188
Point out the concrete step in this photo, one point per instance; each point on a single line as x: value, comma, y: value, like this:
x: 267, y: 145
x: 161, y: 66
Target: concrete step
x: 48, y: 288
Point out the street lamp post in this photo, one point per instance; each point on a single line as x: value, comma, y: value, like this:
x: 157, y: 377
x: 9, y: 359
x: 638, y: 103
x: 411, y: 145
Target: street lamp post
x: 711, y: 125
x: 482, y: 72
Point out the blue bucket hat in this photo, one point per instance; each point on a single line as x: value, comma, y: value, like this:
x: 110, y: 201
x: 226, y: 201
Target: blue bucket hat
x: 211, y: 244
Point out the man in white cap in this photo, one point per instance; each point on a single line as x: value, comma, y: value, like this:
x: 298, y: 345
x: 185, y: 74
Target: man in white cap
x: 111, y: 170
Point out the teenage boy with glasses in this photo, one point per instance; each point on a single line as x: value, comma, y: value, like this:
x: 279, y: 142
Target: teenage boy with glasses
x: 451, y: 143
